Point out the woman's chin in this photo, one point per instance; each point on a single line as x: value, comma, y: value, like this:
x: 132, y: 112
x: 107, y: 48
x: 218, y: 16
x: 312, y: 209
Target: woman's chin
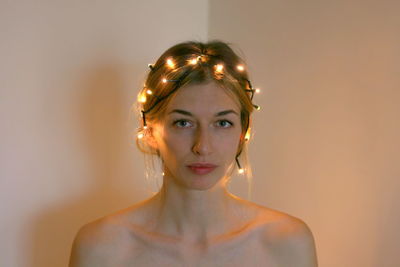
x: 192, y: 181
x: 200, y: 183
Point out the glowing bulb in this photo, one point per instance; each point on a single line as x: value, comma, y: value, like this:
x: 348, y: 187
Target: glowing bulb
x: 258, y: 90
x: 142, y: 98
x: 241, y: 171
x: 149, y: 92
x: 163, y: 173
x: 219, y: 67
x: 145, y: 127
x: 258, y: 107
x: 170, y: 63
x: 140, y: 136
x: 247, y: 137
x: 193, y: 61
x: 164, y: 80
x: 240, y: 67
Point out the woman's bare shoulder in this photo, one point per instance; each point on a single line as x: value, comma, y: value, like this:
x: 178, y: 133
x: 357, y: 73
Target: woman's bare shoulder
x: 288, y: 237
x: 278, y: 222
x: 97, y: 240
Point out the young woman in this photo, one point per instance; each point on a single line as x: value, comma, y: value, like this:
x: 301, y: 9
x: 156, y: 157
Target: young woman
x: 195, y: 117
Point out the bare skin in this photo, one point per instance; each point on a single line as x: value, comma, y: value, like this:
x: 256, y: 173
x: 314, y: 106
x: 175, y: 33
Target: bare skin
x: 193, y: 220
x: 263, y: 237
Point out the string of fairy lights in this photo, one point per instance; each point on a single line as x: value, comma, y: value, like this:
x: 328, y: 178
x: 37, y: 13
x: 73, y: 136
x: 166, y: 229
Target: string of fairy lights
x: 218, y: 72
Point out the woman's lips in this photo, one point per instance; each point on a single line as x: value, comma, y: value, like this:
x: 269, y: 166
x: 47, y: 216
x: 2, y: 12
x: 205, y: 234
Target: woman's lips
x: 201, y: 170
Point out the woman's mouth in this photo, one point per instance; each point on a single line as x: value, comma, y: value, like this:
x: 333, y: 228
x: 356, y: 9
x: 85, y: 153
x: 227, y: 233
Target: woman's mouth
x: 201, y: 169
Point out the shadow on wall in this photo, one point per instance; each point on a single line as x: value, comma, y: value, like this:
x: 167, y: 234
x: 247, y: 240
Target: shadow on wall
x: 100, y: 119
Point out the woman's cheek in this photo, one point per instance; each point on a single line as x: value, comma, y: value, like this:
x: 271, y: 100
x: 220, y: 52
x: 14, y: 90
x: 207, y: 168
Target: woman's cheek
x: 176, y: 142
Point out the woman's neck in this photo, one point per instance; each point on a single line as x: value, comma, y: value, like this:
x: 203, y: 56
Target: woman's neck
x: 195, y: 215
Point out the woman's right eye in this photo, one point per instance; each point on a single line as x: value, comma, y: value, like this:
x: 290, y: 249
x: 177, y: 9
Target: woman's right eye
x: 177, y: 122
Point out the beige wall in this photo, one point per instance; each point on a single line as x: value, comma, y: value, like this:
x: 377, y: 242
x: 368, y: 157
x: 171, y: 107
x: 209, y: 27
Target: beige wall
x: 69, y: 73
x: 327, y: 136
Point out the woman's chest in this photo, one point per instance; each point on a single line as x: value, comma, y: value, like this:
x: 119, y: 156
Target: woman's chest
x: 246, y: 252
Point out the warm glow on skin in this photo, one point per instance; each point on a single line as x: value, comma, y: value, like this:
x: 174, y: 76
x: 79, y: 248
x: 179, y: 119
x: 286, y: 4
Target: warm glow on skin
x: 202, y: 124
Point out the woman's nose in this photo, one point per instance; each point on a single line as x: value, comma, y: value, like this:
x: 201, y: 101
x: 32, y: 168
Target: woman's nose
x: 202, y: 142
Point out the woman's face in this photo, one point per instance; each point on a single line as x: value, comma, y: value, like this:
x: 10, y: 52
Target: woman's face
x: 201, y: 125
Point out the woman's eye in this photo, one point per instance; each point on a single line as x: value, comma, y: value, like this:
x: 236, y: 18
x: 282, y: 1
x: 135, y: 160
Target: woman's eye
x: 227, y: 123
x: 179, y: 123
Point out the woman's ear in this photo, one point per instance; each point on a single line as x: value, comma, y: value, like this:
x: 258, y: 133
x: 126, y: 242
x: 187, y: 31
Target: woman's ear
x: 150, y: 139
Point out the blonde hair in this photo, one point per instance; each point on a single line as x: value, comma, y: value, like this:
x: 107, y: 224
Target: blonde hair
x: 175, y: 65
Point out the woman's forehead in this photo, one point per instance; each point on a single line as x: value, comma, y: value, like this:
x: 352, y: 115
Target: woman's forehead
x: 202, y: 98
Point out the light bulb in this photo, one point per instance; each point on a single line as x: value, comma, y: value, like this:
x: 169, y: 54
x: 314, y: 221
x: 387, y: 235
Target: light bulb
x: 193, y: 61
x: 149, y: 92
x: 219, y: 67
x: 240, y: 67
x: 258, y: 90
x: 247, y: 137
x: 142, y: 98
x: 241, y: 171
x: 164, y: 80
x: 170, y: 63
x: 140, y: 135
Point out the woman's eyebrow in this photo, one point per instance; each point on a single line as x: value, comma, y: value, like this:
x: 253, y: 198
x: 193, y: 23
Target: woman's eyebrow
x: 221, y: 113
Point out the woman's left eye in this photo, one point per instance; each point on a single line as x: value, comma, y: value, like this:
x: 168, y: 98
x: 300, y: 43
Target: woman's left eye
x: 229, y: 123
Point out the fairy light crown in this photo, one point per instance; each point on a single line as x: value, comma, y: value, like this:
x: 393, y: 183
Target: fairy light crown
x: 176, y: 70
